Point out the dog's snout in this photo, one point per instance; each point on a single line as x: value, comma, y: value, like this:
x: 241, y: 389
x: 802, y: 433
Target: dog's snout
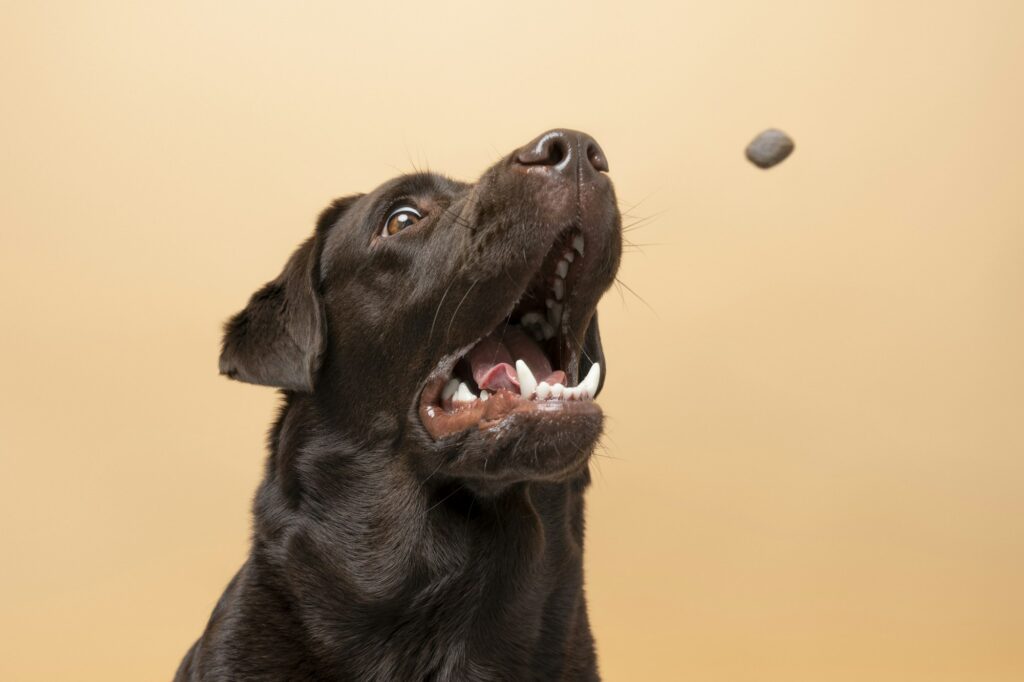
x: 565, y: 152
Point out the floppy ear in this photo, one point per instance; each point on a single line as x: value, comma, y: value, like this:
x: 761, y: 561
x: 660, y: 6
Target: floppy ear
x: 277, y: 340
x: 593, y: 351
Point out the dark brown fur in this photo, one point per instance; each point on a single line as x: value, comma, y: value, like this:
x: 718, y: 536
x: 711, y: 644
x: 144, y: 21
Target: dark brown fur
x: 380, y: 553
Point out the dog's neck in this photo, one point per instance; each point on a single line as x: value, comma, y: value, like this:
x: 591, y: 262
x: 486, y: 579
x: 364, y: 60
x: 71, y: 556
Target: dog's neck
x: 406, y: 566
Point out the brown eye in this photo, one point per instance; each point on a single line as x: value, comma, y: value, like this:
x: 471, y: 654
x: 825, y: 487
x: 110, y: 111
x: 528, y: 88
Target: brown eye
x: 399, y: 219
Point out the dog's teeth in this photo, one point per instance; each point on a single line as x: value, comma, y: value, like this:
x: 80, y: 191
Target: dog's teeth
x: 527, y: 384
x: 577, y: 244
x: 449, y: 389
x: 590, y: 384
x: 549, y: 302
x: 570, y: 393
x: 559, y: 288
x: 541, y: 328
x: 543, y: 390
x: 530, y: 319
x: 555, y: 315
x: 557, y: 390
x: 569, y: 256
x: 464, y: 394
x: 562, y: 269
x: 484, y: 395
x: 536, y: 324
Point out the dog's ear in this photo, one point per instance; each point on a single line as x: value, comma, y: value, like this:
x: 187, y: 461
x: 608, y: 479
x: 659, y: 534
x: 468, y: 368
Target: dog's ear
x: 593, y: 352
x: 279, y: 337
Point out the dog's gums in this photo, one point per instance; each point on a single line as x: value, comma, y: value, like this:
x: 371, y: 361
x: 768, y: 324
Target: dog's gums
x: 518, y: 367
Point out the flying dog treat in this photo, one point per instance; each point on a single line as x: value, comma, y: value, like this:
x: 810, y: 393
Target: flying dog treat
x: 769, y: 148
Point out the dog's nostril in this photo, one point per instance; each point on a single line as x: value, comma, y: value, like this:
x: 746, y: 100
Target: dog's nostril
x: 596, y: 157
x: 548, y: 150
x: 556, y: 152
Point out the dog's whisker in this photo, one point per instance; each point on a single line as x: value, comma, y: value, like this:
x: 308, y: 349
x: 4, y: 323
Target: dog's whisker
x: 638, y: 296
x: 601, y: 450
x: 456, y: 217
x: 630, y: 247
x: 637, y: 225
x: 622, y: 295
x: 436, y: 469
x: 639, y: 203
x: 454, y: 314
x: 395, y: 168
x: 449, y: 212
x: 516, y: 446
x: 642, y: 221
x: 509, y: 277
x: 442, y: 500
x: 436, y: 312
x: 408, y: 155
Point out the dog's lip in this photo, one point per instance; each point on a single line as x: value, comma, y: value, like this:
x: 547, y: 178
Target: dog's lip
x: 487, y: 411
x: 488, y: 414
x: 492, y: 414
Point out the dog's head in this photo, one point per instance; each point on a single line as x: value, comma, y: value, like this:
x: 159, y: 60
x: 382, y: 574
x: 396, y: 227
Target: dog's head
x: 457, y: 320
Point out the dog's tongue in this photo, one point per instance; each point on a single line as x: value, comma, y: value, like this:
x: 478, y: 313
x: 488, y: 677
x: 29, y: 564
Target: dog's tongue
x: 492, y: 360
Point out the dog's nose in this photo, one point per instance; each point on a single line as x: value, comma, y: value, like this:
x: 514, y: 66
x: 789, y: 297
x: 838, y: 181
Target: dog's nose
x: 566, y: 152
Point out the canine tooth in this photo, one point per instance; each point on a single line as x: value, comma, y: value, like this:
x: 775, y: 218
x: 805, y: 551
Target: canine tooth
x: 464, y: 394
x: 590, y: 384
x: 559, y: 287
x: 557, y: 390
x: 577, y: 244
x: 569, y: 256
x: 449, y: 389
x: 484, y: 395
x: 527, y: 384
x: 562, y: 269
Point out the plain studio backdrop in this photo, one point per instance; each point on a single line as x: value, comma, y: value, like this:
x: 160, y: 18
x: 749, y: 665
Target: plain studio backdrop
x: 814, y: 465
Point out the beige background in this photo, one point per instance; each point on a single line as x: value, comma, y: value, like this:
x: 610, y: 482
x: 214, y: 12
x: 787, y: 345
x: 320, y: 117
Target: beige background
x: 815, y: 461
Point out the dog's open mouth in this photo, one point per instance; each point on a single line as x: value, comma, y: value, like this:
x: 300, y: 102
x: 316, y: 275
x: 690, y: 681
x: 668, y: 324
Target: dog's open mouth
x: 528, y: 363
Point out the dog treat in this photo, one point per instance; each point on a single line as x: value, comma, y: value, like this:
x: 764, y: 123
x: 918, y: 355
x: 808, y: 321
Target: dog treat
x: 769, y: 148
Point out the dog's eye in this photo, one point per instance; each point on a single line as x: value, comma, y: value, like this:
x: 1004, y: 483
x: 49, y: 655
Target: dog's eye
x: 399, y: 219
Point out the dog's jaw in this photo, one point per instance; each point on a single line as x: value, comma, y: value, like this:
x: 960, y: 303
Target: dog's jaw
x: 489, y: 412
x: 529, y: 363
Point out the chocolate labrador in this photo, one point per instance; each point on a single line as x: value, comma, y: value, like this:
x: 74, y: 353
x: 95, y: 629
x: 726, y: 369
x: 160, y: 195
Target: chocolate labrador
x: 421, y: 511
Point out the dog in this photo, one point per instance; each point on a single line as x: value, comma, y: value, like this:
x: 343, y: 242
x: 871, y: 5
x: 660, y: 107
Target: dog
x: 437, y: 348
